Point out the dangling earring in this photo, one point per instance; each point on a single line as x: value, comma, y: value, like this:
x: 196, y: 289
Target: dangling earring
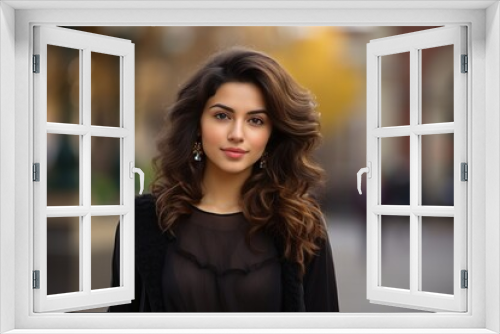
x: 263, y: 161
x: 197, y: 151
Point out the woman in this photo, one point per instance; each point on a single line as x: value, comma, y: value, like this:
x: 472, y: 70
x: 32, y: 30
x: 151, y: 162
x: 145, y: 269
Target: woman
x: 231, y: 224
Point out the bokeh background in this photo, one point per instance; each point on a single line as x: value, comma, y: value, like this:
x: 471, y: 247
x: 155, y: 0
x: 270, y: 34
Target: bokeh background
x: 330, y: 62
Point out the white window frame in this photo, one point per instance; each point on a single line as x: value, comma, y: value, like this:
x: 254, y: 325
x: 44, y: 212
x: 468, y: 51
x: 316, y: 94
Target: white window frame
x: 483, y: 21
x: 413, y: 44
x: 85, y: 43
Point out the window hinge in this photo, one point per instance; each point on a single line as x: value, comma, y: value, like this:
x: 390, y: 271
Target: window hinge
x: 465, y: 279
x: 36, y: 172
x: 464, y: 171
x: 36, y: 279
x: 465, y: 64
x: 36, y: 63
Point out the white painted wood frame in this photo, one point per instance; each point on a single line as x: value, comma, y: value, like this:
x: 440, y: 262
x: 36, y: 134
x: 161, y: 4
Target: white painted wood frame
x: 414, y: 43
x: 85, y: 43
x: 483, y: 19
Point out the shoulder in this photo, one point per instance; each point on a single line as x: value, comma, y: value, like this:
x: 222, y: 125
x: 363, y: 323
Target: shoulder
x: 145, y: 200
x: 145, y: 212
x: 145, y: 205
x: 146, y: 219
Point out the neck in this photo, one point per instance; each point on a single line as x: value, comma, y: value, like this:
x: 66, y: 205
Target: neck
x: 221, y: 190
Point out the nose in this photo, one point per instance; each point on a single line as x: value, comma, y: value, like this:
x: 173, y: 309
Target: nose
x: 236, y: 132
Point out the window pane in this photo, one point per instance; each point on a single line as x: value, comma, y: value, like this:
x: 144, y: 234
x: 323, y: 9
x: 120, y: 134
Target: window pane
x: 437, y: 254
x: 437, y: 169
x: 63, y: 259
x: 103, y: 241
x: 395, y: 243
x: 63, y: 85
x: 105, y: 90
x: 395, y: 89
x: 395, y: 168
x: 437, y: 84
x: 63, y: 156
x: 105, y: 171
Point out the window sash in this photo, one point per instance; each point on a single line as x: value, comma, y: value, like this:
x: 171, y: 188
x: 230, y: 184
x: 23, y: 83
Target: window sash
x: 85, y: 298
x: 414, y: 298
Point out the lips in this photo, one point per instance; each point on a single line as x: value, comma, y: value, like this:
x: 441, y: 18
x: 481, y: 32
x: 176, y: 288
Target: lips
x: 234, y: 152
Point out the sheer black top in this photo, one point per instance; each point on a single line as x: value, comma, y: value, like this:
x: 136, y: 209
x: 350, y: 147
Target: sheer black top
x: 206, y: 267
x: 209, y: 267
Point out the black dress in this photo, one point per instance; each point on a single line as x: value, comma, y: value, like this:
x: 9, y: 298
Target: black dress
x: 210, y: 268
x: 207, y: 277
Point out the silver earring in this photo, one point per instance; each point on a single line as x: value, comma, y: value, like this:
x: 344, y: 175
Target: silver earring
x: 263, y: 161
x: 197, y: 152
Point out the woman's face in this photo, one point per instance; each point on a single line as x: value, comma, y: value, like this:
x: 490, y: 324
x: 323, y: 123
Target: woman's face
x: 235, y: 128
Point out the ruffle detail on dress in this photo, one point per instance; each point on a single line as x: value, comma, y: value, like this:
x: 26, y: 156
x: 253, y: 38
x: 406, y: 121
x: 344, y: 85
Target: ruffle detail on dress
x: 245, y: 269
x: 217, y: 242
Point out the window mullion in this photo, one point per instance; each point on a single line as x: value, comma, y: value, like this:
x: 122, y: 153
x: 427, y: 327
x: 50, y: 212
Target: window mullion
x: 85, y: 235
x: 417, y: 146
x: 415, y: 267
x: 85, y: 253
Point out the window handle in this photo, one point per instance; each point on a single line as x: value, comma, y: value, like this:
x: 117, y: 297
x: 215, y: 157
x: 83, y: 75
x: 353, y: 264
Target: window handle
x: 367, y: 170
x: 133, y: 170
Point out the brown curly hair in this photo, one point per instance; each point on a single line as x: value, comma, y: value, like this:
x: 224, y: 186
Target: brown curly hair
x: 277, y: 198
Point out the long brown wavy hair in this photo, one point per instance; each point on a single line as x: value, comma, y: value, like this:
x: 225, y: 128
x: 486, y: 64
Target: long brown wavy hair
x: 278, y: 198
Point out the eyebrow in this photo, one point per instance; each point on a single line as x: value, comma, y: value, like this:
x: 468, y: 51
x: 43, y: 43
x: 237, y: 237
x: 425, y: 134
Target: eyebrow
x: 259, y: 111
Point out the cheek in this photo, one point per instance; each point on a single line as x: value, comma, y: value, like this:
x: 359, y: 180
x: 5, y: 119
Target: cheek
x: 211, y: 135
x: 260, y: 139
x: 208, y: 139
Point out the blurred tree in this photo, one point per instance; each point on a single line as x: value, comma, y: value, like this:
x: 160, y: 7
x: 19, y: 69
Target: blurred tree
x: 318, y: 59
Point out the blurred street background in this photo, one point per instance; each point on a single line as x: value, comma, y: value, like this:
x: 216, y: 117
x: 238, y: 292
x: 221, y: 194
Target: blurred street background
x: 331, y: 63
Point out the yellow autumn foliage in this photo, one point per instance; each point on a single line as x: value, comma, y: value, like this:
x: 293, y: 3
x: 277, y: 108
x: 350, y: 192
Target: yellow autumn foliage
x: 319, y: 61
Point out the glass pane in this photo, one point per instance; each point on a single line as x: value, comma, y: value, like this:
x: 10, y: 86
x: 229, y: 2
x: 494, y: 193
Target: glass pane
x: 395, y: 89
x: 437, y: 84
x: 105, y: 90
x: 63, y: 85
x: 63, y: 260
x: 103, y: 241
x: 395, y: 243
x: 437, y: 254
x: 437, y: 169
x: 63, y: 167
x: 105, y: 171
x: 395, y: 170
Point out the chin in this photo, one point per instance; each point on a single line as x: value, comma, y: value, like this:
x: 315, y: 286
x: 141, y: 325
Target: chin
x: 235, y: 170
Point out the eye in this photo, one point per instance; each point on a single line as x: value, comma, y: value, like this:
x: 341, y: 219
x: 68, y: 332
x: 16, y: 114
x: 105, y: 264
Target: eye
x: 256, y: 121
x: 221, y: 116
